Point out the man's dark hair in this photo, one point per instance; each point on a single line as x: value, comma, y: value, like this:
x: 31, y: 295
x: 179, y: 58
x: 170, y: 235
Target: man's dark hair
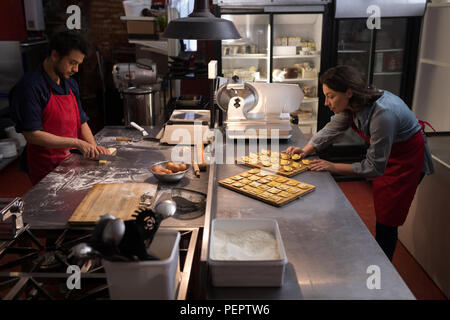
x: 342, y: 77
x: 66, y: 41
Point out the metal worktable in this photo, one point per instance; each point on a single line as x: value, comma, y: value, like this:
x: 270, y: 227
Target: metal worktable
x: 50, y: 203
x: 329, y: 249
x: 328, y: 246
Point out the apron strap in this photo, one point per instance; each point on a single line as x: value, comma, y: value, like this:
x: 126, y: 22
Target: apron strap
x: 423, y: 123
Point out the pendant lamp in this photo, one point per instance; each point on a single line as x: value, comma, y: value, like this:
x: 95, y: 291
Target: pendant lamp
x: 201, y: 24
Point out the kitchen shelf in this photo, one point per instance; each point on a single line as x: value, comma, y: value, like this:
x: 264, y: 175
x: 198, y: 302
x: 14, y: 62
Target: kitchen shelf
x: 309, y: 100
x: 298, y: 80
x: 389, y: 50
x: 157, y: 46
x: 309, y: 121
x: 353, y: 51
x: 297, y: 56
x: 387, y: 73
x: 247, y: 56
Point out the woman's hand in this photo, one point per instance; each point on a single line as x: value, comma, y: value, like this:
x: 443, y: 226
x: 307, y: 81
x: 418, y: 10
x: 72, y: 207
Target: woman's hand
x: 294, y: 150
x: 321, y: 165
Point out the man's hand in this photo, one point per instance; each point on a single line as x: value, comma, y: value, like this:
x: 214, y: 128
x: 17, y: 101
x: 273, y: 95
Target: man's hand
x: 87, y: 149
x: 102, y: 150
x: 321, y: 165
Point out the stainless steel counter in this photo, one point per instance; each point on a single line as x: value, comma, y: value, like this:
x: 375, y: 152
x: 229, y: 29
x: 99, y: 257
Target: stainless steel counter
x: 328, y: 246
x: 50, y: 203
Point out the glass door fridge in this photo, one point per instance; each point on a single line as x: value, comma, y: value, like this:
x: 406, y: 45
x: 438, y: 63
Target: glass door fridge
x: 248, y: 57
x: 281, y: 43
x: 297, y: 43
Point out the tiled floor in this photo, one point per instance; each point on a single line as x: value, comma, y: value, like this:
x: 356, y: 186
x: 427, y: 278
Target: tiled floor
x: 15, y: 183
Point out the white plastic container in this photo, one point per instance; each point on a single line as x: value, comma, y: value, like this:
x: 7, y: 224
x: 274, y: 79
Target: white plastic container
x: 284, y: 50
x: 133, y: 8
x: 18, y: 137
x: 247, y: 273
x: 148, y: 280
x: 8, y: 148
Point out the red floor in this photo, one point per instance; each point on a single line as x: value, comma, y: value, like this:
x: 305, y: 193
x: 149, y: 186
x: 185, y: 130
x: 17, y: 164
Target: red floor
x: 15, y: 183
x: 360, y: 196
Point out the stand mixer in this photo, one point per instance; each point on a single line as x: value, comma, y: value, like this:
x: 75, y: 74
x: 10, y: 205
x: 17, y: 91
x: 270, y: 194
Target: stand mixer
x: 258, y: 110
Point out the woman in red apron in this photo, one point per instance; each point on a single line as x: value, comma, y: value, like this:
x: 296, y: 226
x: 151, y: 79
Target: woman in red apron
x: 397, y: 157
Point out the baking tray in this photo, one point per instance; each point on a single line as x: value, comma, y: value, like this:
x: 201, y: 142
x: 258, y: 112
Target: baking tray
x: 270, y: 188
x: 254, y: 160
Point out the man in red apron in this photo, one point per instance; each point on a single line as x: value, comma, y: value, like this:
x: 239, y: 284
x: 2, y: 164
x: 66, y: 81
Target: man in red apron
x: 397, y: 157
x: 47, y: 109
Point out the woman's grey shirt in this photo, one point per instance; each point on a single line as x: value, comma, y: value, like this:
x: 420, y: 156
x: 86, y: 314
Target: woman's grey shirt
x: 387, y: 121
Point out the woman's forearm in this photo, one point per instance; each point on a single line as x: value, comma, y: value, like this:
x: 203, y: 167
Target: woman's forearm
x: 86, y: 134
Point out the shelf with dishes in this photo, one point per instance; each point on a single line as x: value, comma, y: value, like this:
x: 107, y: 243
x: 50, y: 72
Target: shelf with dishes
x: 296, y: 56
x: 388, y: 73
x: 296, y: 80
x: 246, y: 56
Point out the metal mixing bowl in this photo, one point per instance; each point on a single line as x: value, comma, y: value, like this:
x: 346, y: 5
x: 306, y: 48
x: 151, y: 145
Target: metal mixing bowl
x: 168, y: 177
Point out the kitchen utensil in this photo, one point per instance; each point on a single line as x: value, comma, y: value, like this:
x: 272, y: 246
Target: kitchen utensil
x: 259, y: 110
x: 144, y: 133
x: 196, y: 169
x: 190, y: 204
x: 127, y: 139
x: 168, y: 177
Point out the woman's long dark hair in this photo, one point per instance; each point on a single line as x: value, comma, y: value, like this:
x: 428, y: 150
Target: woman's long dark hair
x: 341, y: 78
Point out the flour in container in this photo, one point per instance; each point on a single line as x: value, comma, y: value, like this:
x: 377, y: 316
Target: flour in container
x: 244, y: 245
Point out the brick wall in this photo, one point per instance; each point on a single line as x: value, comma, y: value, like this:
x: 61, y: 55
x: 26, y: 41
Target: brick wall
x: 106, y: 33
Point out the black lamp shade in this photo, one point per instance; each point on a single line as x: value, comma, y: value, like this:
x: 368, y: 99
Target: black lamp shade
x: 201, y: 24
x: 201, y: 29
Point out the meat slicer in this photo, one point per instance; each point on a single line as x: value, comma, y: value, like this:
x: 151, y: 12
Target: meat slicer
x: 258, y: 110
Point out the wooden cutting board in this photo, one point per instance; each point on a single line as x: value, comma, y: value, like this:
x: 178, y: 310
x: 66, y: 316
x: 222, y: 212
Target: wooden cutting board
x: 118, y: 199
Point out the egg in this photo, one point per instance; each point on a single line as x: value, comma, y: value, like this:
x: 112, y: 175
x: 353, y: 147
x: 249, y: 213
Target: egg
x: 182, y: 166
x: 172, y: 166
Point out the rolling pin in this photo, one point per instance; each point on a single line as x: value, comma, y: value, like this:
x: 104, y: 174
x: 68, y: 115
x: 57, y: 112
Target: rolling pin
x: 201, y: 156
x: 196, y: 168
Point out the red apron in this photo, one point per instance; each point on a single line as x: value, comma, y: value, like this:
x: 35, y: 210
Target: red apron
x: 394, y: 191
x: 61, y: 118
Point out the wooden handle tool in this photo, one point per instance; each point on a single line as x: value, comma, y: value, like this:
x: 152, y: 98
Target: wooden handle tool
x: 196, y: 169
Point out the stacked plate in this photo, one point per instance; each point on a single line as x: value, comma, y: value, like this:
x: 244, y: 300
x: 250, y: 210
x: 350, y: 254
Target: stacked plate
x: 8, y: 148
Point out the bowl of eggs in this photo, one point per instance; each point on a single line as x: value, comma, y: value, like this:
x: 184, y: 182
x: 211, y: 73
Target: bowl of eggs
x: 168, y: 171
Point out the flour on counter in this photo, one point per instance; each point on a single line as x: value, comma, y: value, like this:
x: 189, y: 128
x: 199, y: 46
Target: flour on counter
x: 244, y: 245
x: 79, y: 179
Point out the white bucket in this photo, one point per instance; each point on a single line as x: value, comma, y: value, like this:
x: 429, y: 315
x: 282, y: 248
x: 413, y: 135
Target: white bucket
x: 148, y: 280
x: 133, y: 8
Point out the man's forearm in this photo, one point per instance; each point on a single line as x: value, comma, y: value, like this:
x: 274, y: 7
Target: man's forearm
x: 86, y: 134
x: 46, y: 139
